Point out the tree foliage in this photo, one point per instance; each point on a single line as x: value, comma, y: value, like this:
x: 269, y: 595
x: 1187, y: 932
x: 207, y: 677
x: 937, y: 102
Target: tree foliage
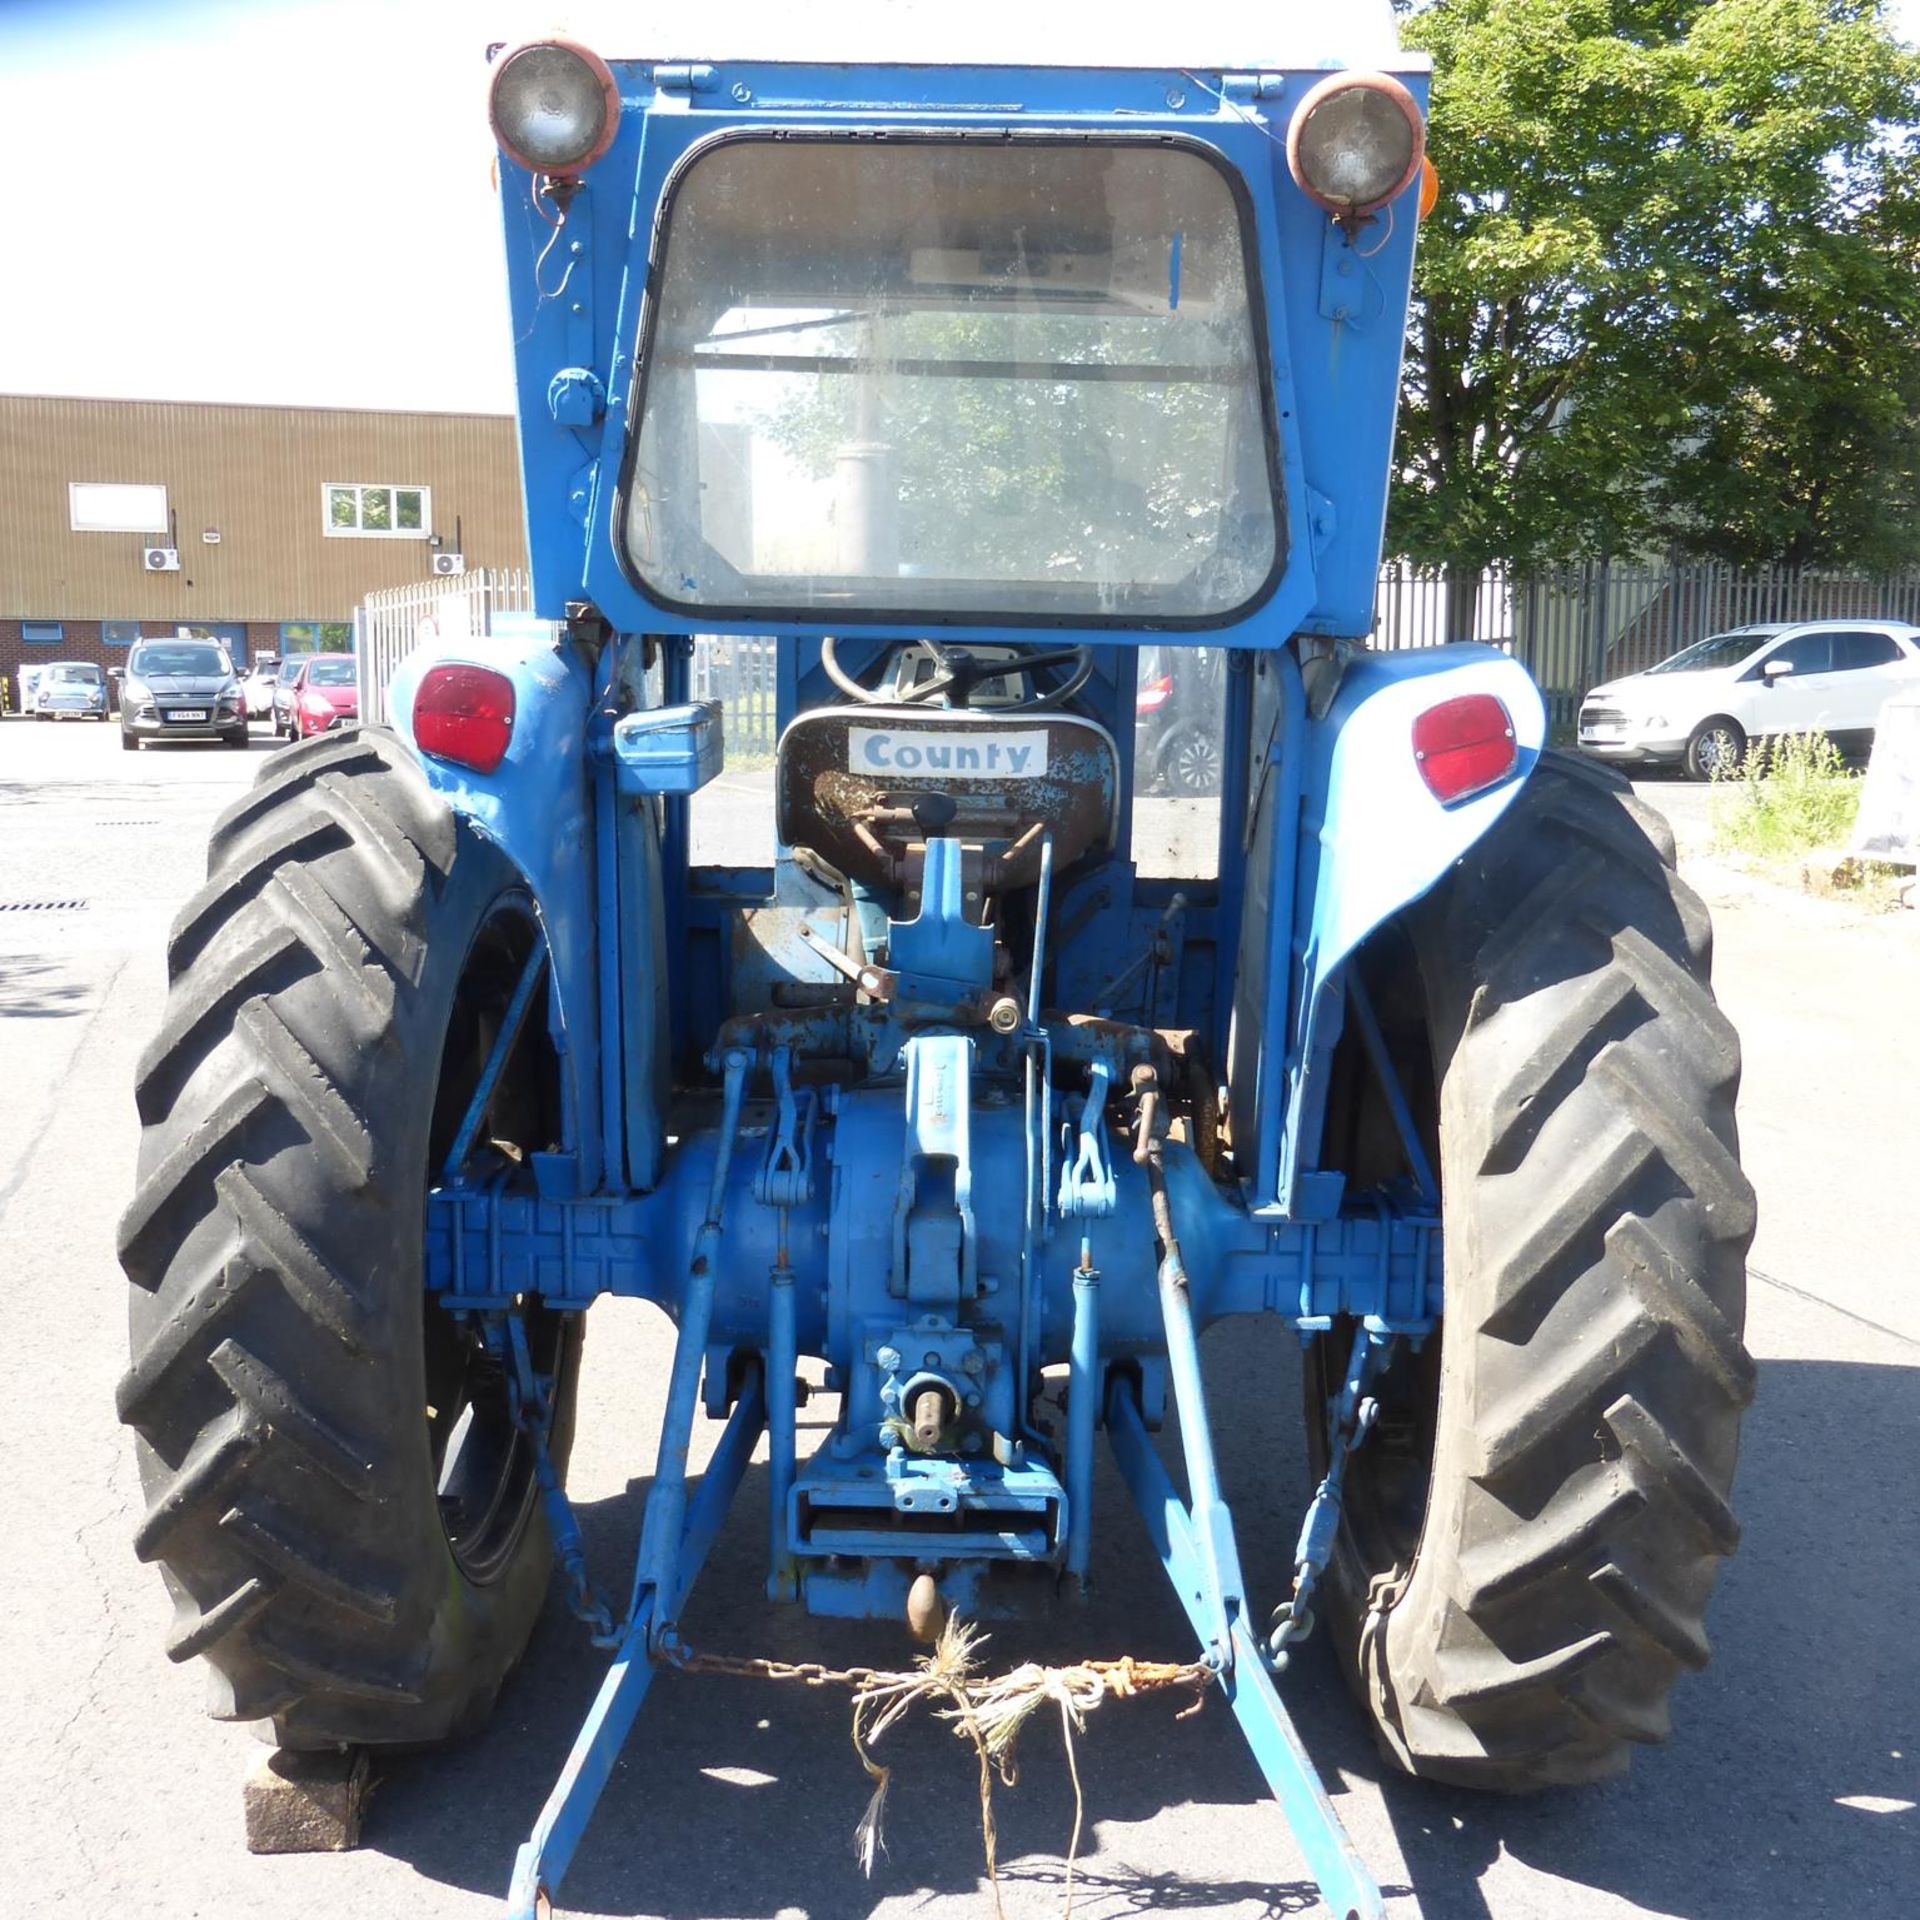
x: 1670, y: 294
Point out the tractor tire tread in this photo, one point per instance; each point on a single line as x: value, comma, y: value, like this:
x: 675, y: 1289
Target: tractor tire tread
x: 1578, y: 1508
x: 288, y: 1498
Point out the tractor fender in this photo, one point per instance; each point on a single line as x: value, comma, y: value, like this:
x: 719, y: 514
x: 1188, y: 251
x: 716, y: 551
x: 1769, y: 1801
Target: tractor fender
x: 1373, y: 838
x: 537, y: 808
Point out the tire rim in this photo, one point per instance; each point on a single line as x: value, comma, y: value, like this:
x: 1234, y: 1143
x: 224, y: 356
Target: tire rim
x: 482, y: 1462
x: 1716, y: 753
x: 1195, y: 766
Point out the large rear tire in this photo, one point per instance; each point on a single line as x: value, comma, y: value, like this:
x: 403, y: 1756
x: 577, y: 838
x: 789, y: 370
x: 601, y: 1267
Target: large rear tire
x: 345, y: 1513
x: 1534, y: 1527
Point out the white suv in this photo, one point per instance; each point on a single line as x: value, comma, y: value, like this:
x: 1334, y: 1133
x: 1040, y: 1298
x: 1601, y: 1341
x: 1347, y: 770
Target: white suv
x: 1702, y: 707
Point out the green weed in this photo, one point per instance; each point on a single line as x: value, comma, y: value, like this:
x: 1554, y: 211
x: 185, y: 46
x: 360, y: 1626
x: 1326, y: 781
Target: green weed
x: 1790, y: 795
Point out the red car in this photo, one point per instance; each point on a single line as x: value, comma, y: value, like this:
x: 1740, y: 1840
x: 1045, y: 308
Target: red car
x: 326, y: 693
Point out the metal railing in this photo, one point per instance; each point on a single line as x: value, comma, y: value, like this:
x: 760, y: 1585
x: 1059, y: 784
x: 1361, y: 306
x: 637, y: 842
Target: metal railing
x: 1572, y: 627
x: 388, y: 625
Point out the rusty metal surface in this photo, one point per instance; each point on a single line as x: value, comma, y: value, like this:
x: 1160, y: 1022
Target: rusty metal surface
x: 873, y: 827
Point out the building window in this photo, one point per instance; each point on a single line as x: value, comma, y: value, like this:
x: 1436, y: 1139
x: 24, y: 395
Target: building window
x: 115, y: 507
x: 42, y: 633
x: 377, y: 513
x: 119, y: 633
x: 316, y: 636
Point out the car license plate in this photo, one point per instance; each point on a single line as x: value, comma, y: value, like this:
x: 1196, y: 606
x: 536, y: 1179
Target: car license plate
x: 188, y: 713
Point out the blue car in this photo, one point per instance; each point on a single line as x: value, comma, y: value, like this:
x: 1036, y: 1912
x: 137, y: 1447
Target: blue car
x: 70, y: 690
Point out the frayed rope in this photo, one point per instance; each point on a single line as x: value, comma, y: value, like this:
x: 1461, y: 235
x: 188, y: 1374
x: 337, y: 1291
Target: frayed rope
x: 988, y: 1712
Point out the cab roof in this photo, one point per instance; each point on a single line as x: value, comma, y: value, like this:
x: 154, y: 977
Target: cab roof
x: 1230, y: 35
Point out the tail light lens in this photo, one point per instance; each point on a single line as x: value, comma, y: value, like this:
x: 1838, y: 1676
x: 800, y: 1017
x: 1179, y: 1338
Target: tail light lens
x: 464, y: 714
x: 1155, y: 694
x: 1464, y: 746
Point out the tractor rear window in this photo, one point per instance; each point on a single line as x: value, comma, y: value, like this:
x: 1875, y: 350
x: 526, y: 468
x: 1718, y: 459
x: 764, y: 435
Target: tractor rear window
x: 1008, y: 381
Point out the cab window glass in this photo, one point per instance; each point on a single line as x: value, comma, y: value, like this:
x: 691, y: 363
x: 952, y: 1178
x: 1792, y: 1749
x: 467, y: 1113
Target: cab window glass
x: 1012, y: 380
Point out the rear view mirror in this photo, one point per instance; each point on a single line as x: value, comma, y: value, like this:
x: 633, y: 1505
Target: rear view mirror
x: 1775, y: 668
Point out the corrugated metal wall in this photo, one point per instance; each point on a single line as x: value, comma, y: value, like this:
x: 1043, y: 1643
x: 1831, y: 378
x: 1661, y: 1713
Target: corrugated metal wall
x: 257, y: 476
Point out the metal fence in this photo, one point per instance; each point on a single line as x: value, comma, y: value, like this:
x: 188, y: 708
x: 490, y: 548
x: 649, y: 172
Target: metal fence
x: 740, y: 674
x: 1572, y: 627
x: 388, y: 625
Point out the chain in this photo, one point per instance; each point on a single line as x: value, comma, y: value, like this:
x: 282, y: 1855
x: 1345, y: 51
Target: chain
x: 532, y: 1409
x: 1354, y: 1414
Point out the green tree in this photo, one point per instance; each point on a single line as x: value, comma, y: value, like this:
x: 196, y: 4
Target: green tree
x: 1668, y: 295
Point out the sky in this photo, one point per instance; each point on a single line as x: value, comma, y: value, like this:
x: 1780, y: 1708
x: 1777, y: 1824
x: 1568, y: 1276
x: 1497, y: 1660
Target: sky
x: 288, y: 201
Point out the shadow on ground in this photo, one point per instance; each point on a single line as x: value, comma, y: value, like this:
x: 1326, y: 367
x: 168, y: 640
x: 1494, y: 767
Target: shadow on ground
x: 739, y: 1798
x: 36, y: 989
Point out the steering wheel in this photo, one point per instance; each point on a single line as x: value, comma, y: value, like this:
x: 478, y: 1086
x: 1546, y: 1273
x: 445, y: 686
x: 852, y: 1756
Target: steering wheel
x: 957, y: 672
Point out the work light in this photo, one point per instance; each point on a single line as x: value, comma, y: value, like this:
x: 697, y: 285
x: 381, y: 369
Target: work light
x: 554, y: 106
x: 1356, y: 141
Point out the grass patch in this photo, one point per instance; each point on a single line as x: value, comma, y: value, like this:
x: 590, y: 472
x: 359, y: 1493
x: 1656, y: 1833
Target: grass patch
x: 1791, y: 795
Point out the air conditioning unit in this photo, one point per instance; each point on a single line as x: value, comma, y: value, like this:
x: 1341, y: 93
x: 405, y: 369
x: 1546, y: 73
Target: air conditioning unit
x: 161, y: 559
x: 449, y: 563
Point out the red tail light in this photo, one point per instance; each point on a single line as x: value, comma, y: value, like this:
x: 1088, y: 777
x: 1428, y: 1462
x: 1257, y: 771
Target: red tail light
x: 1464, y: 746
x: 1155, y: 694
x: 464, y: 714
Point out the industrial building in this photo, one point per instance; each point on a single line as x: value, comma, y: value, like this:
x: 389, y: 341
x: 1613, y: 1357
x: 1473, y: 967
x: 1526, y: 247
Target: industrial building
x: 261, y: 526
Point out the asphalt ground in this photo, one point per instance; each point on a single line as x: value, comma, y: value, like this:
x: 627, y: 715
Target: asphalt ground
x: 1789, y: 1788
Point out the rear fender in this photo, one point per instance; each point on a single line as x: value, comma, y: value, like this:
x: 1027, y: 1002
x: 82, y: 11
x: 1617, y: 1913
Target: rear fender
x: 537, y: 808
x: 1372, y: 840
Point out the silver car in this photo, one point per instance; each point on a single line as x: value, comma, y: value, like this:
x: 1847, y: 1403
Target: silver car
x: 181, y: 690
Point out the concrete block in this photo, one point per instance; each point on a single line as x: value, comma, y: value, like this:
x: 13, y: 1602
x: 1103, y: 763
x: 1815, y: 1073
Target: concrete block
x: 305, y: 1802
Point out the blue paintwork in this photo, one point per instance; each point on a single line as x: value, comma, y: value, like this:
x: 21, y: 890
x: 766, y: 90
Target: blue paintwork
x: 542, y: 1861
x: 537, y: 807
x: 1344, y: 1881
x: 1335, y: 360
x: 903, y: 1219
x: 668, y: 750
x: 483, y: 1247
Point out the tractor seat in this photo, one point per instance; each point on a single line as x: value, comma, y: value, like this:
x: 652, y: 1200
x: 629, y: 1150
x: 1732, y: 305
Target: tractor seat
x: 866, y: 787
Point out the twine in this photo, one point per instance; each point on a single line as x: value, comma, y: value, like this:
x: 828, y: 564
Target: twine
x: 987, y: 1711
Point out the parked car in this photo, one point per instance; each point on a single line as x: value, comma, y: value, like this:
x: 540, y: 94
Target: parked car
x: 280, y: 701
x: 1701, y: 708
x: 70, y: 690
x: 181, y: 690
x: 325, y: 693
x: 1179, y: 720
x: 257, y: 687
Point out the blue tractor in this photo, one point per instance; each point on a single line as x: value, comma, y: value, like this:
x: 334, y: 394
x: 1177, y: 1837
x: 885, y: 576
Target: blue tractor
x: 960, y: 384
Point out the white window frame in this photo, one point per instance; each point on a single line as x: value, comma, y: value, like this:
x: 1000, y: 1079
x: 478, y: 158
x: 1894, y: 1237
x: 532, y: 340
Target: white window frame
x: 392, y: 488
x: 131, y: 518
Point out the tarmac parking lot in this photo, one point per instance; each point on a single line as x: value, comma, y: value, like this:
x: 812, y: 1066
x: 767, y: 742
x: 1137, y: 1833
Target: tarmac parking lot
x: 1789, y: 1791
